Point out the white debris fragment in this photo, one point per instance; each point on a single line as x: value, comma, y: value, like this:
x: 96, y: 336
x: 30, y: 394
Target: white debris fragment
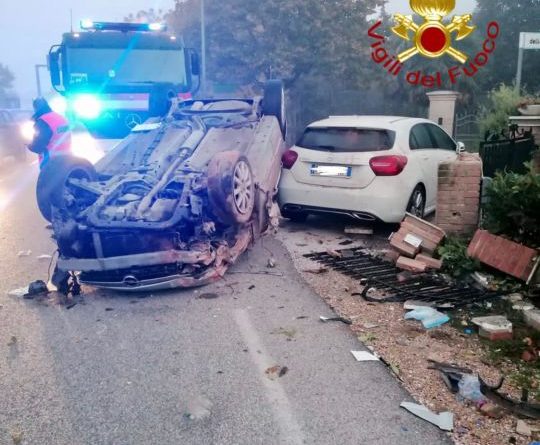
x: 364, y: 356
x: 445, y: 421
x: 44, y: 257
x: 18, y: 293
x: 24, y: 253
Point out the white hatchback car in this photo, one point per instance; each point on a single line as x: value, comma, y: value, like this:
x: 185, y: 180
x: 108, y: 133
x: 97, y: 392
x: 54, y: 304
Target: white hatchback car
x: 367, y: 167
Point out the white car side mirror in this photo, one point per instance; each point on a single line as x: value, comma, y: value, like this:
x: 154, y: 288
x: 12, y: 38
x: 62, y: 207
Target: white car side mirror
x: 460, y: 148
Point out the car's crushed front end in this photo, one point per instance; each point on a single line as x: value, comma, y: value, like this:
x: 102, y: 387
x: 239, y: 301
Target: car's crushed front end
x: 174, y: 204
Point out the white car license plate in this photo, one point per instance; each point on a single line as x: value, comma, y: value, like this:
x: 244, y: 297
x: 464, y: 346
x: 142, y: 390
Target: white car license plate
x: 339, y: 171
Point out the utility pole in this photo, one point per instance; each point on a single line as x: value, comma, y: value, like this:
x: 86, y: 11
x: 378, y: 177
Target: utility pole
x: 203, y: 48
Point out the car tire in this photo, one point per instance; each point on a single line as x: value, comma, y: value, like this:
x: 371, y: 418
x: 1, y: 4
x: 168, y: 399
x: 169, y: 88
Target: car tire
x: 417, y: 202
x: 274, y: 102
x: 231, y: 188
x: 52, y: 181
x: 298, y: 217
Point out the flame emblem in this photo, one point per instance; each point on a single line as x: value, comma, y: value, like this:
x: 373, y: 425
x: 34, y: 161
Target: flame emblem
x: 433, y: 38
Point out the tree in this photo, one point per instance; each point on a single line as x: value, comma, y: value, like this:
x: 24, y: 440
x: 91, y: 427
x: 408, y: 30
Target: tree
x: 251, y: 41
x: 513, y: 17
x: 6, y: 82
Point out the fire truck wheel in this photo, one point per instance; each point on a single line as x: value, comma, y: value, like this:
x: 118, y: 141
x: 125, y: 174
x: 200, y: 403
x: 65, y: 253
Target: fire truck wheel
x: 231, y: 188
x: 52, y: 185
x: 274, y: 102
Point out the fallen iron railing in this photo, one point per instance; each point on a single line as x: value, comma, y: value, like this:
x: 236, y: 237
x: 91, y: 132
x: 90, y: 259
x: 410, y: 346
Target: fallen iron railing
x: 393, y: 286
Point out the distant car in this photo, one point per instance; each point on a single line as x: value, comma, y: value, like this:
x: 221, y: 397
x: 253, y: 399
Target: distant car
x: 367, y: 167
x: 12, y: 142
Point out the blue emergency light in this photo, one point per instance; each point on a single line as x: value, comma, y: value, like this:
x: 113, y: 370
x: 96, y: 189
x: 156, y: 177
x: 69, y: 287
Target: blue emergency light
x: 90, y: 25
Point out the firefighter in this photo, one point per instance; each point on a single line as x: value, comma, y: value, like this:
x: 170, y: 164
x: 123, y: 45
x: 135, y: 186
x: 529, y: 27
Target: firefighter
x: 52, y: 134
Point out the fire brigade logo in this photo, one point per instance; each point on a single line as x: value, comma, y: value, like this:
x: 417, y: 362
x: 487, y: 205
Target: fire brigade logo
x: 433, y: 38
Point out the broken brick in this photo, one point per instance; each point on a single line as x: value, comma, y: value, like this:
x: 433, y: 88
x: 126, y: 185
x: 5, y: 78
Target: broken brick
x: 430, y: 262
x: 504, y: 255
x: 397, y: 241
x: 411, y: 265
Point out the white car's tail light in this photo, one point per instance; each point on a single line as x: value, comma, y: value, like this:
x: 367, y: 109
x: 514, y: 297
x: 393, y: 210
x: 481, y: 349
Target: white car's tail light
x: 388, y: 165
x: 289, y: 158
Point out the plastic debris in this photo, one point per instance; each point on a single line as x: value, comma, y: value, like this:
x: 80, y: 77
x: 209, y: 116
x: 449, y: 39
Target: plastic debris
x: 430, y: 318
x: 24, y: 253
x: 470, y: 389
x: 445, y: 421
x: 327, y: 319
x: 44, y: 257
x: 364, y: 356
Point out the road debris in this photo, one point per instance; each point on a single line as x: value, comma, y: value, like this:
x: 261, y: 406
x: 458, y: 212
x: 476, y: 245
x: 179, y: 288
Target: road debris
x: 445, y: 420
x: 341, y: 319
x: 276, y: 372
x: 18, y: 293
x: 364, y: 356
x: 430, y: 318
x: 358, y: 230
x: 24, y: 253
x: 35, y: 289
x: 271, y: 263
x: 411, y: 265
x: 347, y: 242
x: 317, y: 271
x: 208, y: 296
x: 523, y: 429
x: 12, y: 341
x: 494, y: 328
x: 44, y: 257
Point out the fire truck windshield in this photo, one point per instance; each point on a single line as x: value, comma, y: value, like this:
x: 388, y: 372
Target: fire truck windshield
x: 124, y: 66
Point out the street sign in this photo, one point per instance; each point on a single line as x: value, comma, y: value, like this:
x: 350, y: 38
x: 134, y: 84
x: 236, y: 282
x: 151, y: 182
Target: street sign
x: 529, y: 40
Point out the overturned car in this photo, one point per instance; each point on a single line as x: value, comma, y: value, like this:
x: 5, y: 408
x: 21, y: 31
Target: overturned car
x: 176, y: 202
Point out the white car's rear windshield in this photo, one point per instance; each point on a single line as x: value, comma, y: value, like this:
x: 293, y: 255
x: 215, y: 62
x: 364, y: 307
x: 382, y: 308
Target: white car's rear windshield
x: 338, y: 139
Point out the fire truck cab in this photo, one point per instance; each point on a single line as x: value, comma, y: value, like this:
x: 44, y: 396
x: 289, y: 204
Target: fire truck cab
x: 107, y: 71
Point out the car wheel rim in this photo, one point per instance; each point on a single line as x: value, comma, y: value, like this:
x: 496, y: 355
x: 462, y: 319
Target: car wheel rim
x: 243, y: 187
x: 417, y: 205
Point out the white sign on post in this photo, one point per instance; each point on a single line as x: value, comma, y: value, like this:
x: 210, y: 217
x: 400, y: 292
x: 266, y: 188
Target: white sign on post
x: 529, y: 40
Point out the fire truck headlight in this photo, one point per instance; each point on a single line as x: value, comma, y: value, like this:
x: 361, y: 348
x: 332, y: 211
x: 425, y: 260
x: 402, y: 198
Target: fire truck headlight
x: 156, y: 27
x: 87, y: 106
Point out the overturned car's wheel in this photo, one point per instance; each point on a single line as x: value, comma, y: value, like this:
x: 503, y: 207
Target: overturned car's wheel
x: 231, y: 189
x: 52, y: 182
x: 274, y: 102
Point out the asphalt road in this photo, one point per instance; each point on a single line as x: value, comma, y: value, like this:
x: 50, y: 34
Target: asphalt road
x: 175, y: 368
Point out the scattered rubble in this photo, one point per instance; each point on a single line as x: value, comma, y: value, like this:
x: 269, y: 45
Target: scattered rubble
x: 532, y: 319
x: 411, y: 265
x: 494, y: 328
x: 24, y: 253
x: 445, y: 420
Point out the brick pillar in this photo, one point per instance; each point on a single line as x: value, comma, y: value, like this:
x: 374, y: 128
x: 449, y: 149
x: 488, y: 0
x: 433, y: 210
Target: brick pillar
x: 442, y: 108
x: 458, y: 197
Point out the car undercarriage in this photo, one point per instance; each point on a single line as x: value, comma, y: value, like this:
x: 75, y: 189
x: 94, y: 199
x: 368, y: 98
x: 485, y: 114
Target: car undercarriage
x: 176, y: 202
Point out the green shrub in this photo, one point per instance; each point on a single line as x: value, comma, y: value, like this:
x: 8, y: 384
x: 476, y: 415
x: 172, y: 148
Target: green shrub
x: 503, y: 102
x: 513, y: 208
x: 456, y: 262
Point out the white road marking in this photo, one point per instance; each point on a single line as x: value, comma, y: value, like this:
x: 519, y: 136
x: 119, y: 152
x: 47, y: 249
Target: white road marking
x: 291, y: 433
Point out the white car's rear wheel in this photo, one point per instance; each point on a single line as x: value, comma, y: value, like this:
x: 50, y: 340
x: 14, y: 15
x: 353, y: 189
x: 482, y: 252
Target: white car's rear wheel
x: 417, y: 203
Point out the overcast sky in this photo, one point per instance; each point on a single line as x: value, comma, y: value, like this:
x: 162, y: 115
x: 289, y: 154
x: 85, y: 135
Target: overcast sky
x: 28, y: 28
